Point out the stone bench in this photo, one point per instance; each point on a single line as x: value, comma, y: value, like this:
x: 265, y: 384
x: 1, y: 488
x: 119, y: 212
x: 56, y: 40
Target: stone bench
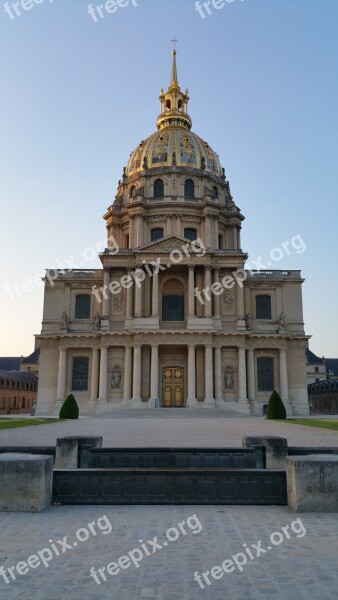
x: 276, y: 449
x: 312, y: 483
x: 71, y: 451
x: 25, y: 482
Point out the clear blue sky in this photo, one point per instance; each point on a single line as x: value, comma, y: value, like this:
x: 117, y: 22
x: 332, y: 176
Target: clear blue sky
x: 78, y: 96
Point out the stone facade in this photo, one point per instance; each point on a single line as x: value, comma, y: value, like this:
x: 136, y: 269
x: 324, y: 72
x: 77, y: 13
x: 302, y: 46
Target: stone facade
x: 147, y: 334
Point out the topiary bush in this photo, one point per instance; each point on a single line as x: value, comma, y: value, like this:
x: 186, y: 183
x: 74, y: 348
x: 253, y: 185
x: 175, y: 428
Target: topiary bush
x: 276, y: 408
x: 69, y: 409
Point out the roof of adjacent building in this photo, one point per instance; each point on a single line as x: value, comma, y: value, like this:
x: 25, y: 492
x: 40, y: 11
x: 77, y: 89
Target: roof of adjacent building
x: 312, y: 359
x: 10, y: 363
x: 332, y: 365
x: 19, y: 376
x: 32, y: 358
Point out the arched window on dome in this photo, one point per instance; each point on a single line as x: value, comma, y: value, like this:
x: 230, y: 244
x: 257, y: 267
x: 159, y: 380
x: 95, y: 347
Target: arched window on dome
x: 168, y: 104
x: 214, y: 192
x: 180, y: 104
x: 190, y: 233
x: 189, y: 189
x: 132, y: 191
x: 158, y: 188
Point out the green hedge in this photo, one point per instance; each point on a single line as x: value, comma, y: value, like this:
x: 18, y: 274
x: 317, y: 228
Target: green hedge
x: 276, y: 408
x: 69, y: 409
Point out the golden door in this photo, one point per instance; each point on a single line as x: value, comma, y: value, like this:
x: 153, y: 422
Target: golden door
x: 173, y: 387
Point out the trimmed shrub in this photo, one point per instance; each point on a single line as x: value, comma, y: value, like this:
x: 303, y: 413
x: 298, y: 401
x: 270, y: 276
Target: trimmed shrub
x: 69, y: 409
x: 276, y: 408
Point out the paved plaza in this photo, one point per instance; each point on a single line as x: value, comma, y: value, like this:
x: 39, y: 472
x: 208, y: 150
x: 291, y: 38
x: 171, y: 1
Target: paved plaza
x: 165, y: 428
x: 298, y: 568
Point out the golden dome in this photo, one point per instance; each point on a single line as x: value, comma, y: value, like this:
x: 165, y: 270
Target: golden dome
x: 174, y: 144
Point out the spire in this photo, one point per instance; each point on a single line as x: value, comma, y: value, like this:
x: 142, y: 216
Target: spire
x: 174, y: 80
x: 174, y: 103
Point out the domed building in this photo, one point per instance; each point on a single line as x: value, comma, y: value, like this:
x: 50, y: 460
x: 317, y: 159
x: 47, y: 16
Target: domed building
x: 173, y: 319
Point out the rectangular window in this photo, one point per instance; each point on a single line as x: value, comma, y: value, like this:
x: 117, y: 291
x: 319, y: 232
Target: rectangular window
x: 265, y: 379
x: 82, y: 306
x: 80, y: 373
x: 263, y: 307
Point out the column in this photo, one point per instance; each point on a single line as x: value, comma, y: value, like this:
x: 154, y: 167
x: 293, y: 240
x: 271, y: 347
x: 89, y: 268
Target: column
x: 234, y: 237
x: 227, y: 236
x: 129, y: 301
x: 191, y: 297
x: 137, y: 374
x: 238, y: 238
x: 241, y: 374
x: 106, y: 294
x: 278, y: 299
x: 217, y: 298
x: 103, y: 374
x: 127, y: 374
x: 240, y: 307
x: 132, y: 232
x: 207, y: 285
x: 138, y: 298
x: 94, y: 379
x: 154, y: 373
x: 169, y: 226
x: 191, y: 375
x: 209, y: 375
x: 251, y: 375
x: 154, y: 300
x: 207, y: 231
x: 283, y: 373
x: 61, y: 389
x: 139, y: 231
x: 178, y: 226
x: 215, y: 232
x: 218, y: 374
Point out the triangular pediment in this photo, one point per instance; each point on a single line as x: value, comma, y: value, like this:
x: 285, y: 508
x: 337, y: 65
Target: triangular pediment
x: 165, y: 245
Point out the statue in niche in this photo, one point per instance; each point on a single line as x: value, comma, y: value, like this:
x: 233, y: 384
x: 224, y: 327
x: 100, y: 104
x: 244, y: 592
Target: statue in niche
x: 248, y: 322
x: 97, y: 321
x: 282, y: 322
x: 116, y: 379
x: 228, y: 301
x: 64, y: 321
x: 229, y: 379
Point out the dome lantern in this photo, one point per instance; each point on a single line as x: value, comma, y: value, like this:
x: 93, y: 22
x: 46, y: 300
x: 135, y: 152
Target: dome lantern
x: 174, y: 103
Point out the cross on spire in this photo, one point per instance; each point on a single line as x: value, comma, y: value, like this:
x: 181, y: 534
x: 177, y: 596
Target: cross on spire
x: 175, y: 41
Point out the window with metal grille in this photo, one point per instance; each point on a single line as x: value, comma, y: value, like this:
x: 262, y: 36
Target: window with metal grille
x: 80, y: 373
x: 158, y: 188
x: 173, y: 308
x: 190, y: 234
x: 263, y: 307
x: 82, y: 306
x: 265, y: 379
x: 157, y: 233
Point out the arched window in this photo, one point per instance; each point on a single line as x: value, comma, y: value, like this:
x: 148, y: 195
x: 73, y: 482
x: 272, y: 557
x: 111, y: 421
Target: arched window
x: 158, y: 188
x: 189, y: 189
x: 190, y: 234
x: 132, y: 191
x: 173, y: 308
x: 82, y: 306
x: 80, y: 373
x: 220, y: 242
x: 214, y: 192
x: 157, y: 233
x: 263, y: 306
x: 168, y: 104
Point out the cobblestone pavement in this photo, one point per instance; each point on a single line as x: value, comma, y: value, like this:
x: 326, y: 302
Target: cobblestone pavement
x: 297, y: 569
x: 147, y: 427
